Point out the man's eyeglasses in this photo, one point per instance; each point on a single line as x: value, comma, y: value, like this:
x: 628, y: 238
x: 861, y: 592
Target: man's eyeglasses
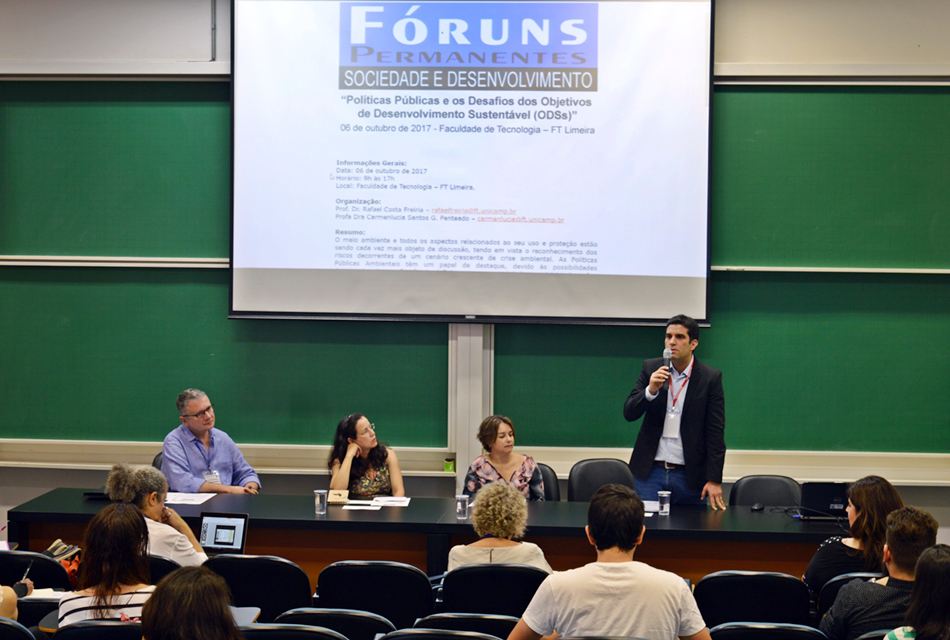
x: 201, y: 414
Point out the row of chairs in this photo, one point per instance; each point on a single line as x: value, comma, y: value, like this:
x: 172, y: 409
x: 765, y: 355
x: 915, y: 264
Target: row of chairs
x: 283, y: 630
x: 587, y: 476
x: 725, y: 596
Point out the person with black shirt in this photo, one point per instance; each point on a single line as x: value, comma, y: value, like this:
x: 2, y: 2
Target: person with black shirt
x: 862, y: 606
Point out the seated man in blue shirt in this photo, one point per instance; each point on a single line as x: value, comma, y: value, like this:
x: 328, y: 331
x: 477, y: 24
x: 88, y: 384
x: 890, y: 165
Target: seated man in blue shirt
x: 197, y: 458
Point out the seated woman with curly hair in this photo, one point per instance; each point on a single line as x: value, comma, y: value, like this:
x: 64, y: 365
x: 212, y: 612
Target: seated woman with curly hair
x: 499, y: 516
x: 168, y: 534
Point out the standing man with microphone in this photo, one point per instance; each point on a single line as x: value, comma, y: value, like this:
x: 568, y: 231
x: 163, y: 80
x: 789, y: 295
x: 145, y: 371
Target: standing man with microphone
x: 681, y: 446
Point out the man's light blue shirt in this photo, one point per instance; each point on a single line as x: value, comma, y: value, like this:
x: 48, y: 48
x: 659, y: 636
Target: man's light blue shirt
x: 185, y: 461
x: 671, y: 449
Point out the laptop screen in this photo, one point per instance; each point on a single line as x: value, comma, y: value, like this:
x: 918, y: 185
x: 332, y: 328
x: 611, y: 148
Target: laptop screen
x: 824, y: 499
x: 223, y: 532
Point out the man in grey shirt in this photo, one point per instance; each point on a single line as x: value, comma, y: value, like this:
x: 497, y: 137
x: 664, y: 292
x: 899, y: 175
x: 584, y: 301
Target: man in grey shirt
x: 862, y: 606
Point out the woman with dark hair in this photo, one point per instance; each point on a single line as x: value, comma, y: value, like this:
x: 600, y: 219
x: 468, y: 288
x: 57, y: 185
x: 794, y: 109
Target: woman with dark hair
x: 114, y: 574
x: 168, y: 534
x: 191, y: 603
x: 501, y: 464
x: 928, y: 616
x: 360, y: 463
x: 870, y: 499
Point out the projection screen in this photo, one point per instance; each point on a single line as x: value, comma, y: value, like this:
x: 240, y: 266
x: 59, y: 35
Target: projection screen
x: 471, y: 161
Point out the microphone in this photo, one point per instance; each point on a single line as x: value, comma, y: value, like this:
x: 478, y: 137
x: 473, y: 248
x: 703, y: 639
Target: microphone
x: 667, y: 355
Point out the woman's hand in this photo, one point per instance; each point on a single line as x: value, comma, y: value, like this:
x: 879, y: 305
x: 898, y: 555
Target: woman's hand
x: 353, y: 451
x: 175, y: 521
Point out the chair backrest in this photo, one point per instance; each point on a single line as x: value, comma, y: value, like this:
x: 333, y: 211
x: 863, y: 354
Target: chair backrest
x: 604, y: 638
x: 874, y: 635
x: 276, y: 631
x: 436, y: 634
x: 505, y: 589
x: 157, y: 460
x: 272, y: 584
x: 587, y: 476
x: 828, y: 593
x: 45, y: 572
x: 752, y: 596
x: 773, y: 491
x: 489, y: 623
x: 100, y: 630
x: 355, y: 625
x: 761, y: 631
x: 552, y: 490
x: 160, y: 566
x: 13, y: 630
x: 353, y: 584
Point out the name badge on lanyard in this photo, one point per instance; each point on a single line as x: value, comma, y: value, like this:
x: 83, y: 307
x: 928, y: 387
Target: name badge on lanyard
x: 671, y: 426
x: 212, y: 476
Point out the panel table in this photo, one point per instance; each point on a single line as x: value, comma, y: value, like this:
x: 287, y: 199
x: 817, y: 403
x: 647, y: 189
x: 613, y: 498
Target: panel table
x: 692, y: 541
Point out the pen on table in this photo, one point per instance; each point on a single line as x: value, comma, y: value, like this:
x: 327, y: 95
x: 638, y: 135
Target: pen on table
x: 27, y: 572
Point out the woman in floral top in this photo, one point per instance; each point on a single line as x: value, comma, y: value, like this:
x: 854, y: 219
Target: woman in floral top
x: 501, y: 463
x: 359, y: 463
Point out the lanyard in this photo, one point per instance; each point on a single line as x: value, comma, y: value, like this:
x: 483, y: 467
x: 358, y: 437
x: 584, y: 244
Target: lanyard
x: 201, y: 450
x: 682, y: 386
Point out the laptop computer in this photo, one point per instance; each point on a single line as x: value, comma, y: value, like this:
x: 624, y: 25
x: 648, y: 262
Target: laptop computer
x: 223, y: 532
x: 824, y: 500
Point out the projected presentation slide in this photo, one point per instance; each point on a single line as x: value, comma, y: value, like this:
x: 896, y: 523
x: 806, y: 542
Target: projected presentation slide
x: 471, y: 160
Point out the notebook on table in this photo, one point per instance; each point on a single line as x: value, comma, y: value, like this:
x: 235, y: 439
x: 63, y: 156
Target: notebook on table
x: 223, y: 532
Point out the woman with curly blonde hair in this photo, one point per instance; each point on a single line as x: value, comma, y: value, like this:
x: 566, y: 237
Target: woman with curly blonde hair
x: 498, y: 517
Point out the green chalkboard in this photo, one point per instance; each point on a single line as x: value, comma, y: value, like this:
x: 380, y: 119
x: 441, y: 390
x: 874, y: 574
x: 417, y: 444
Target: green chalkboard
x: 101, y: 354
x: 831, y: 177
x: 810, y: 362
x: 801, y: 176
x: 115, y: 169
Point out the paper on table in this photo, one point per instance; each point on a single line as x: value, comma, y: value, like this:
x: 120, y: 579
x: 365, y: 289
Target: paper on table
x: 362, y: 507
x: 651, y: 506
x: 45, y: 593
x: 187, y: 498
x: 391, y: 501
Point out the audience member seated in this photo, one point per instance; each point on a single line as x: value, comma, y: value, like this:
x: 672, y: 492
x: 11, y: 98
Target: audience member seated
x: 870, y: 499
x: 498, y: 516
x: 114, y: 573
x: 862, y: 606
x: 192, y: 603
x: 10, y: 595
x: 360, y: 463
x: 168, y: 535
x: 197, y: 458
x: 928, y: 615
x: 501, y: 463
x: 614, y: 596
